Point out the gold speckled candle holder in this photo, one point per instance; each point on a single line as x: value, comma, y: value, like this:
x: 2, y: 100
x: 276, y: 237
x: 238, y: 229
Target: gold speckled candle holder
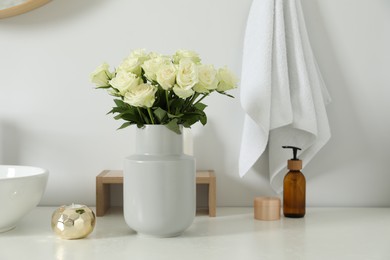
x: 73, y: 222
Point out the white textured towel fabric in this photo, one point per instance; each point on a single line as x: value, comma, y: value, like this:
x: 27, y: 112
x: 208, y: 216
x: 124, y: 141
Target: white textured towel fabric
x: 282, y: 91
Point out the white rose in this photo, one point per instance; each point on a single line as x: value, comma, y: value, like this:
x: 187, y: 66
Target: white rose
x: 166, y: 76
x: 186, y: 78
x: 207, y: 79
x: 183, y: 92
x: 152, y: 66
x: 186, y: 54
x: 124, y: 81
x: 141, y: 96
x: 187, y: 74
x: 227, y: 80
x: 140, y: 54
x: 153, y: 55
x: 101, y: 76
x: 132, y: 65
x: 113, y: 92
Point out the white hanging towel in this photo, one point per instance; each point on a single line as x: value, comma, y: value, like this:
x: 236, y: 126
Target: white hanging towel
x: 282, y: 91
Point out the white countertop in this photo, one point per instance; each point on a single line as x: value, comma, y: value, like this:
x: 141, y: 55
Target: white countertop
x: 324, y: 233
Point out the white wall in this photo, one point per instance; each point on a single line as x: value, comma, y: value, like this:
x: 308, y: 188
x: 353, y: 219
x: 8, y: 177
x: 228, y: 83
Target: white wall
x: 50, y: 115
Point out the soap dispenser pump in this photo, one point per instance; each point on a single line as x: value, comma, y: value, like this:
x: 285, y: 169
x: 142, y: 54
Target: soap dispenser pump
x: 294, y: 188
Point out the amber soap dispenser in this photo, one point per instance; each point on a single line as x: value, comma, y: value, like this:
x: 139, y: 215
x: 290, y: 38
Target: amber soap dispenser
x: 294, y: 188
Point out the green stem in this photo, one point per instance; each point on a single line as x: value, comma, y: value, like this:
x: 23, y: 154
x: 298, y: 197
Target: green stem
x: 194, y: 97
x: 190, y: 100
x: 150, y: 115
x: 201, y: 98
x: 143, y: 117
x: 139, y: 112
x: 166, y: 98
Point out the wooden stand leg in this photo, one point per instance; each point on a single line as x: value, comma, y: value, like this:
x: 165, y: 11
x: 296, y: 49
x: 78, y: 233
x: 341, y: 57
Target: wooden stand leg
x: 212, y: 196
x: 102, y: 195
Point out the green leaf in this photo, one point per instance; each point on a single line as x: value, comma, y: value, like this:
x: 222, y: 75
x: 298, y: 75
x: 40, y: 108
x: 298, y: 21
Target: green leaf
x: 203, y: 119
x: 120, y: 103
x: 173, y: 125
x: 124, y: 125
x: 176, y: 105
x: 117, y: 117
x: 226, y: 94
x: 200, y: 106
x: 175, y: 116
x: 190, y: 119
x: 130, y: 117
x: 160, y: 113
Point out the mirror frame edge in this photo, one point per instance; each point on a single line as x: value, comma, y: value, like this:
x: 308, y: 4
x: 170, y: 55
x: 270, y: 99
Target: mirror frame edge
x: 22, y: 8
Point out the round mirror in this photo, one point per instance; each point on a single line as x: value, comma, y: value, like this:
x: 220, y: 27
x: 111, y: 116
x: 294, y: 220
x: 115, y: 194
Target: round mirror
x: 10, y: 8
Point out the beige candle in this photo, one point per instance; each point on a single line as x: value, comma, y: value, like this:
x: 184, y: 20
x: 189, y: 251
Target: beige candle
x: 267, y: 208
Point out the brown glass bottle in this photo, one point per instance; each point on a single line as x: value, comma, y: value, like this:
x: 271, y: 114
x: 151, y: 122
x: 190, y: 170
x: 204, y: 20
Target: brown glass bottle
x: 294, y: 191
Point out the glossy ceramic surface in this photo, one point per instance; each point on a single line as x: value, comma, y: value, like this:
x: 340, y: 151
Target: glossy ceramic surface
x: 159, y: 184
x: 21, y: 189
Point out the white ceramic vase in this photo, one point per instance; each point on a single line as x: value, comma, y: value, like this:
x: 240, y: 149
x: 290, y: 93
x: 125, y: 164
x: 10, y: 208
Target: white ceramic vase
x: 159, y: 184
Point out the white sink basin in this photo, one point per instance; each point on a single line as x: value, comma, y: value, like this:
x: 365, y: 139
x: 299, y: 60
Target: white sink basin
x: 21, y: 189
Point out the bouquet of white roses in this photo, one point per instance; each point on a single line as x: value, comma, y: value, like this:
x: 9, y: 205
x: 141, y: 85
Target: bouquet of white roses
x: 151, y: 88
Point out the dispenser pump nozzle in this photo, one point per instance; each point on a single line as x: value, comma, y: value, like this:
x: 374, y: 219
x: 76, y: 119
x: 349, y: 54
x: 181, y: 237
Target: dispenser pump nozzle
x: 295, y: 150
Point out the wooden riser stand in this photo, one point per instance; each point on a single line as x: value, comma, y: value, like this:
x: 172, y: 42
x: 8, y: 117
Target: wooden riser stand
x: 107, y: 177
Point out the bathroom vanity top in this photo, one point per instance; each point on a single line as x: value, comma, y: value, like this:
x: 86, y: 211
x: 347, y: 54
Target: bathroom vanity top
x: 324, y: 233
